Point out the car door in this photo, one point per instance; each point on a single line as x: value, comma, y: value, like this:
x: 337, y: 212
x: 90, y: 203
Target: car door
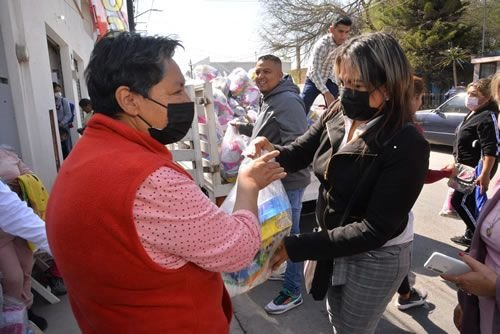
x: 440, y: 126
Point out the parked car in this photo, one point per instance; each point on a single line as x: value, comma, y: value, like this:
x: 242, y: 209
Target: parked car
x: 440, y: 124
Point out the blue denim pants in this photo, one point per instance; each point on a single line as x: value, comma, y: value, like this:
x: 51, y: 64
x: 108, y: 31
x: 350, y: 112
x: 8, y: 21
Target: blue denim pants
x: 293, y: 273
x: 310, y: 92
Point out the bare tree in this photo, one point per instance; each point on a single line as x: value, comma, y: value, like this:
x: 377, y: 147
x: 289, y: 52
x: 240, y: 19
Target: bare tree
x: 289, y: 24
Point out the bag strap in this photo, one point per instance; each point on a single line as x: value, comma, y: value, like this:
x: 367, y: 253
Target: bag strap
x: 365, y: 175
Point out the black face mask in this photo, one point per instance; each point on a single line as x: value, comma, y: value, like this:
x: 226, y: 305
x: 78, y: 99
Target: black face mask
x: 356, y: 104
x: 180, y: 118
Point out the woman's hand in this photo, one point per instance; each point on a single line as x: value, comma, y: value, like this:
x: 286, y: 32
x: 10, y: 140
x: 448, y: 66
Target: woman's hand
x: 279, y: 256
x: 483, y: 181
x: 451, y: 167
x: 480, y: 281
x: 258, y: 145
x: 457, y: 317
x: 261, y: 171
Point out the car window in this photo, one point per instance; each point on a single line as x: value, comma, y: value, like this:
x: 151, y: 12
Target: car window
x: 455, y: 105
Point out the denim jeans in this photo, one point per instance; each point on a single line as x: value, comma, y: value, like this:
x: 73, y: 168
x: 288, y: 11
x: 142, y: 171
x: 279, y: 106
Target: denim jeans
x: 310, y: 92
x: 293, y: 273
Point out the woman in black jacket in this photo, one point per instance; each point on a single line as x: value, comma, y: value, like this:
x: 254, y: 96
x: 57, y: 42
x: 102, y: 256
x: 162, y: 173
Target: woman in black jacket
x: 476, y: 140
x: 371, y: 162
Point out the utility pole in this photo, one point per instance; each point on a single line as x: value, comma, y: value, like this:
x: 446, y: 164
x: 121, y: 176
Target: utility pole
x: 297, y: 59
x: 191, y: 69
x: 484, y: 28
x: 130, y: 14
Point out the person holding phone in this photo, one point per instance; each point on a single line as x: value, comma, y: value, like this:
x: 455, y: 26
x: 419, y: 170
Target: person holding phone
x: 479, y: 290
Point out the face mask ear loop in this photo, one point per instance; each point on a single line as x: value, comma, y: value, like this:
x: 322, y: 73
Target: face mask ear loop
x: 142, y: 119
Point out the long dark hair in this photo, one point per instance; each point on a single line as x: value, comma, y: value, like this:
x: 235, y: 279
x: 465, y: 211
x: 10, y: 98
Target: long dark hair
x: 381, y: 61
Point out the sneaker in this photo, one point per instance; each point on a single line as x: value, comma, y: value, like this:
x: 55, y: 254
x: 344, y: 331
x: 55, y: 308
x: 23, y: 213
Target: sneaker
x: 57, y: 286
x: 37, y: 320
x: 462, y: 240
x: 417, y: 298
x: 284, y: 302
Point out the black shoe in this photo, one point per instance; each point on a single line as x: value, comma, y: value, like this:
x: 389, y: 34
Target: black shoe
x: 37, y: 320
x: 57, y: 286
x: 462, y: 240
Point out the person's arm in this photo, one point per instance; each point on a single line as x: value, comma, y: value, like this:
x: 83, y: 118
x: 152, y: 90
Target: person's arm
x: 66, y: 112
x: 177, y: 223
x: 391, y: 198
x: 17, y: 219
x: 488, y: 138
x: 320, y: 53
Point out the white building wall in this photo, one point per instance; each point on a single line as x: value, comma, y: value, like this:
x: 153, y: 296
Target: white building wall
x: 27, y: 23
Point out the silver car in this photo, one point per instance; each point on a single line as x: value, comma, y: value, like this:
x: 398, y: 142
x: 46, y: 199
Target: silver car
x: 440, y: 124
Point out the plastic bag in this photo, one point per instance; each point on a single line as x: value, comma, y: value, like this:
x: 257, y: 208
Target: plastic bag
x: 464, y: 180
x: 222, y: 84
x: 249, y: 97
x: 231, y: 150
x: 14, y: 317
x: 239, y: 81
x: 205, y: 72
x: 222, y: 109
x: 275, y: 223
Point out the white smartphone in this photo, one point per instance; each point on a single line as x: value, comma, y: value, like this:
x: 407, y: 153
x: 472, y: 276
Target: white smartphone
x: 444, y: 264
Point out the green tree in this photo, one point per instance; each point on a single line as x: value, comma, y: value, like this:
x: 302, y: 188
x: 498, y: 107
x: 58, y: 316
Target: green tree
x: 474, y: 17
x: 425, y: 29
x: 454, y: 56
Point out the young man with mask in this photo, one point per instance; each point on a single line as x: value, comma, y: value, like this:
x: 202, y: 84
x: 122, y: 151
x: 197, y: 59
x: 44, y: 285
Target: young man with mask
x: 320, y: 78
x: 281, y: 119
x: 139, y: 245
x: 64, y: 117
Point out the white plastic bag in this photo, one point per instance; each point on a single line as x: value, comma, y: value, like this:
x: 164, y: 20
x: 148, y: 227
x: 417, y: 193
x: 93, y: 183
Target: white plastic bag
x: 275, y: 223
x: 231, y: 150
x: 14, y: 317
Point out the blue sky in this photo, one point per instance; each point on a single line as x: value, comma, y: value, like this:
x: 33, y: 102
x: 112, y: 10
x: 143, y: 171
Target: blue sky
x: 223, y: 30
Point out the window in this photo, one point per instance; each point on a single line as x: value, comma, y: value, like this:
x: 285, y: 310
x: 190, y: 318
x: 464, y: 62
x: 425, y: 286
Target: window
x: 455, y: 105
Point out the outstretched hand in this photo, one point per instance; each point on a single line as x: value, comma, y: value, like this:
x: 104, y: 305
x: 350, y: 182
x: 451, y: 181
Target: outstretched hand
x: 257, y: 146
x: 262, y: 171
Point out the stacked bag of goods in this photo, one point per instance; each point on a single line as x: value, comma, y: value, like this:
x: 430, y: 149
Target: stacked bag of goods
x: 235, y: 97
x: 275, y: 223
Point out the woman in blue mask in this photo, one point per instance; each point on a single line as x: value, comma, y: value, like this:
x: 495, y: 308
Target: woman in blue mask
x: 371, y: 162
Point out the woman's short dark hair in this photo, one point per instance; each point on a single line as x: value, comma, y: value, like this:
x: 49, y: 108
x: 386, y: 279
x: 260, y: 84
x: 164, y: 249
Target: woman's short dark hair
x: 380, y: 61
x: 125, y: 59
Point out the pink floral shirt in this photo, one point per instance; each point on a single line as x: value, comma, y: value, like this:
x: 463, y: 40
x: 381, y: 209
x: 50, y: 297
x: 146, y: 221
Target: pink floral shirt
x: 177, y: 223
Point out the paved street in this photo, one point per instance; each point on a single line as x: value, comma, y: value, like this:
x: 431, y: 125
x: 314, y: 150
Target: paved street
x: 432, y: 233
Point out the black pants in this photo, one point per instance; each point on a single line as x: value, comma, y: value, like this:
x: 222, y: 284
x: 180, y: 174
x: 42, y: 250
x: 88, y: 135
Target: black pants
x: 404, y: 288
x: 465, y: 205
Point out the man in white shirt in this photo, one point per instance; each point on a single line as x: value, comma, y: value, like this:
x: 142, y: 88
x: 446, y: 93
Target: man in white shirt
x: 320, y: 78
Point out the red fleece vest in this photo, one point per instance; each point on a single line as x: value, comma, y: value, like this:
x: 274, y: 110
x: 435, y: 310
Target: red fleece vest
x: 113, y: 285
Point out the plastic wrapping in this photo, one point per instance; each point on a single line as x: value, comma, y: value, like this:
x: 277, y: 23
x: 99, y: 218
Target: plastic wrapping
x: 205, y: 72
x: 231, y: 150
x: 275, y: 223
x: 239, y: 81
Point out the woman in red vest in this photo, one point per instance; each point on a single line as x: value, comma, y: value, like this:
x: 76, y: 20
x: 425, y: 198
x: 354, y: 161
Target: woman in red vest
x: 139, y: 245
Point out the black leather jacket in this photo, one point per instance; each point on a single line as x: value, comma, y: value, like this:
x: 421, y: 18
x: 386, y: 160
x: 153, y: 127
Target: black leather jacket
x: 380, y: 211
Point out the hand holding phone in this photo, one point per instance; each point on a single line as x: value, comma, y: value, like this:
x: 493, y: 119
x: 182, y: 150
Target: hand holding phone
x: 444, y: 264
